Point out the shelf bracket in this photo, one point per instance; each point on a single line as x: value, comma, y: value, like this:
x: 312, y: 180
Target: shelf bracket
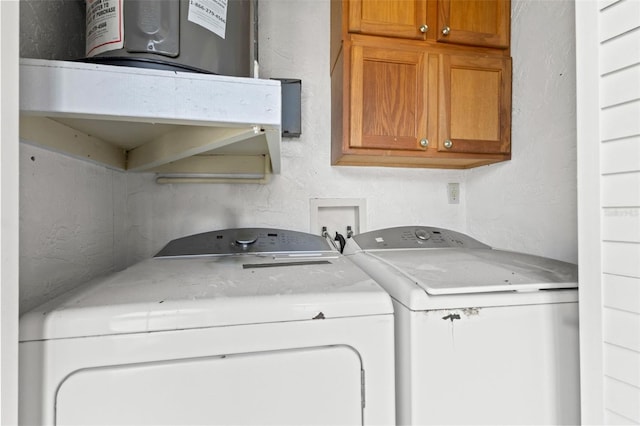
x: 50, y: 134
x: 185, y: 142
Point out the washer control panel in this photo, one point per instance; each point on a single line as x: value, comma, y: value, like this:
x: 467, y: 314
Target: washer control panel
x: 244, y: 240
x: 407, y: 237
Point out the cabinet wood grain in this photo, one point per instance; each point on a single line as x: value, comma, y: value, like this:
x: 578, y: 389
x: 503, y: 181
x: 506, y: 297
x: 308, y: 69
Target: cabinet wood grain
x: 403, y: 97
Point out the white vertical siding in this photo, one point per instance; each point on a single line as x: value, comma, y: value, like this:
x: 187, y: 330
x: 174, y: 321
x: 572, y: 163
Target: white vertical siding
x: 621, y: 259
x: 589, y: 213
x: 621, y: 189
x: 620, y: 86
x: 621, y: 400
x: 621, y: 224
x: 622, y: 329
x: 615, y: 419
x: 619, y: 98
x: 619, y: 359
x: 621, y: 292
x: 9, y: 214
x: 617, y: 18
x: 615, y: 52
x: 621, y: 155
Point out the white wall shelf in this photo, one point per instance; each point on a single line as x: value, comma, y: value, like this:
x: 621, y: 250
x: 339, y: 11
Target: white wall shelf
x: 148, y: 120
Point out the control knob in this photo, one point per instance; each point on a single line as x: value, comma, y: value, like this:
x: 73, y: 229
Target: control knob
x: 245, y: 238
x: 421, y: 234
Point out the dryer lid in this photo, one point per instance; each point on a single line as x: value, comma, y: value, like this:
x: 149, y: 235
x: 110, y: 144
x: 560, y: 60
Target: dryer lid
x: 466, y: 271
x: 176, y: 293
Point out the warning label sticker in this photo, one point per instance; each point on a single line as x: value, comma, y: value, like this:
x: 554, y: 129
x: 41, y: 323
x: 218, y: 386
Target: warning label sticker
x: 210, y: 14
x: 105, y: 26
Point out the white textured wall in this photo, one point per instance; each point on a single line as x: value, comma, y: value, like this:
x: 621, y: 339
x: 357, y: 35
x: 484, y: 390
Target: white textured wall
x: 71, y: 223
x: 294, y: 43
x: 529, y: 203
x: 80, y: 220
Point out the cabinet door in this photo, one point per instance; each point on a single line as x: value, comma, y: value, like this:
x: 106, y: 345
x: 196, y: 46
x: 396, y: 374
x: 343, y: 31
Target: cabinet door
x: 394, y: 18
x: 475, y: 104
x: 474, y: 22
x: 389, y: 101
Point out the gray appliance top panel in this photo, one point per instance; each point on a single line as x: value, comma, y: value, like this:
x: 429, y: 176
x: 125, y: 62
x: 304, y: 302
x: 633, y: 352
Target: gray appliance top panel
x: 465, y: 271
x: 445, y: 262
x: 408, y: 237
x: 244, y: 241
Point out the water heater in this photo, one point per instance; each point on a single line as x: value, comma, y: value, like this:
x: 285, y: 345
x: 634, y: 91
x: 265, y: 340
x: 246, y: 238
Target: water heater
x: 212, y: 36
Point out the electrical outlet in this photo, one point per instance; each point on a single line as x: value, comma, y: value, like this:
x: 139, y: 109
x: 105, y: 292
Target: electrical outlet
x: 337, y: 214
x: 453, y: 193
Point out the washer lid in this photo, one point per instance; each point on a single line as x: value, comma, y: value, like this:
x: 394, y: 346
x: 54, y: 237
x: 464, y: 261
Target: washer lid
x: 465, y: 271
x: 162, y: 294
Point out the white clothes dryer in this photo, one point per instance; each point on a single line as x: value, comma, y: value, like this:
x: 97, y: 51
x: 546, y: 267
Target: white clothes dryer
x: 483, y: 336
x: 240, y: 326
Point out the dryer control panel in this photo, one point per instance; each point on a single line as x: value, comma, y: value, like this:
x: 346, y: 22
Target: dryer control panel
x: 244, y: 240
x: 408, y: 237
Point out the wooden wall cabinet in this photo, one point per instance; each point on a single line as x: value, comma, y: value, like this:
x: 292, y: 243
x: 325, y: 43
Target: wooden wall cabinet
x: 474, y: 22
x: 470, y: 22
x: 475, y: 104
x: 403, y: 97
x: 389, y: 93
x: 393, y: 18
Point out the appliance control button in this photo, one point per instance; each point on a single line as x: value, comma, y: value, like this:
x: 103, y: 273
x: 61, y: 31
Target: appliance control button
x: 245, y: 238
x: 422, y: 234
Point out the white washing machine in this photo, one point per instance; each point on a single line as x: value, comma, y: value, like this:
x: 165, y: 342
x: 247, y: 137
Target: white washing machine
x: 483, y: 336
x: 240, y: 326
